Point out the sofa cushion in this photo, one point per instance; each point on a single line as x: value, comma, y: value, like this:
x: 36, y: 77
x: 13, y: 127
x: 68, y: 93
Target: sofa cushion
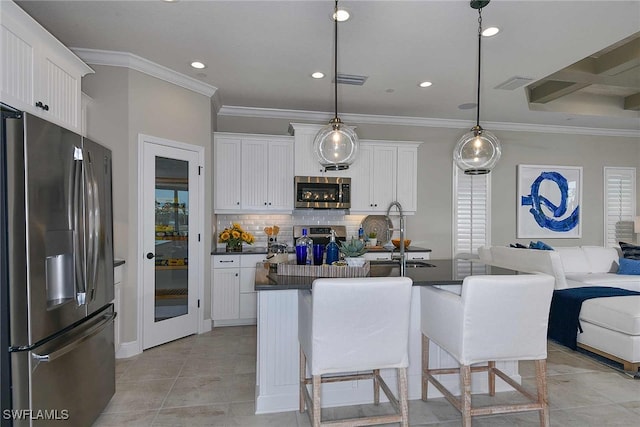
x: 629, y: 266
x: 620, y: 314
x: 630, y: 251
x: 624, y: 281
x: 574, y: 260
x: 529, y: 261
x: 601, y: 259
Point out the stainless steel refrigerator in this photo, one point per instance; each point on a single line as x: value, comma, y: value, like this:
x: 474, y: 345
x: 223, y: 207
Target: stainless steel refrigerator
x: 57, y: 278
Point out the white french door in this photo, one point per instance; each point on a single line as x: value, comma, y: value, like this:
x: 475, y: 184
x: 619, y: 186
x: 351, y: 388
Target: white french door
x: 171, y: 214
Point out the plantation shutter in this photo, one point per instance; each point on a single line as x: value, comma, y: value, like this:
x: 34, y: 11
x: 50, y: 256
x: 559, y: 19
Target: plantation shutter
x: 471, y: 212
x: 619, y: 205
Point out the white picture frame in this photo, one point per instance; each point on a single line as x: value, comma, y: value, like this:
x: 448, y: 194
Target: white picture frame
x: 540, y: 210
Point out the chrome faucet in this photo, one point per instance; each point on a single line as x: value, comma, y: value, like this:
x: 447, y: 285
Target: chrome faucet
x: 403, y: 261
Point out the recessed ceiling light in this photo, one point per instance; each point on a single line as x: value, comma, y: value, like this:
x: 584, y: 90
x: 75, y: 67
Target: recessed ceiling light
x: 342, y: 15
x: 490, y: 31
x: 197, y: 64
x: 425, y: 84
x: 317, y: 75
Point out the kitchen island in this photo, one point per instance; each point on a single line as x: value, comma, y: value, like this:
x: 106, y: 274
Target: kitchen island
x: 277, y: 370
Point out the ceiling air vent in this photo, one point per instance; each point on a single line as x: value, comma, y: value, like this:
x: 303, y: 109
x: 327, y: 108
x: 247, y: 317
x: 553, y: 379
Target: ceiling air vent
x: 514, y: 83
x: 351, y: 79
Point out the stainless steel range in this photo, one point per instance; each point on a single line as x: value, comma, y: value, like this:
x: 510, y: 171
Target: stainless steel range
x: 320, y: 233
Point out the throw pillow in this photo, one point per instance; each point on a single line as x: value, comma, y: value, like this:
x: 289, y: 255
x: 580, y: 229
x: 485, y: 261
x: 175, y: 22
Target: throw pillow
x: 540, y: 245
x: 630, y: 251
x: 629, y: 266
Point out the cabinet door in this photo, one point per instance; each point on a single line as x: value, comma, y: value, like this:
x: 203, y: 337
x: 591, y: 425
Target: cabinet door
x: 17, y: 68
x: 248, y: 306
x: 361, y: 180
x: 228, y: 170
x: 254, y: 174
x: 225, y: 295
x: 383, y: 177
x: 280, y: 176
x: 418, y: 255
x: 59, y: 92
x: 407, y: 192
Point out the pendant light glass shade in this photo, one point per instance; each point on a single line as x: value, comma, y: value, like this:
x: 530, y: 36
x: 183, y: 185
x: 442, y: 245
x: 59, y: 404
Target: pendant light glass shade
x: 478, y: 150
x: 336, y: 144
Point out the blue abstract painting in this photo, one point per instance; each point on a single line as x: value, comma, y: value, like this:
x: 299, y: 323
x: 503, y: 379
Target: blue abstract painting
x: 549, y: 199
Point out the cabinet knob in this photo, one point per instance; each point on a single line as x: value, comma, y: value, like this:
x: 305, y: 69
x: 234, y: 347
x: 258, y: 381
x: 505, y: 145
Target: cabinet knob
x: 237, y: 203
x: 39, y: 104
x: 46, y: 107
x: 269, y: 203
x: 265, y: 203
x: 150, y: 255
x: 236, y: 274
x: 375, y: 205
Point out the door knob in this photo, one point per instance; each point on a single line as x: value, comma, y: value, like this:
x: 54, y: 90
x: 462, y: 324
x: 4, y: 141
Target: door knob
x: 150, y: 255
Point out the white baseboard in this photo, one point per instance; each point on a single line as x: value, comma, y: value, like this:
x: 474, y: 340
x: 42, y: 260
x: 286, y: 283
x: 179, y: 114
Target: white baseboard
x: 128, y: 349
x: 205, y: 326
x: 234, y: 322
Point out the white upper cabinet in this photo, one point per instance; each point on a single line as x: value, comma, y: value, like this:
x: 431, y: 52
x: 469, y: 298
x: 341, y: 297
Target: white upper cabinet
x: 227, y: 172
x: 385, y: 171
x: 407, y: 178
x: 306, y: 163
x: 253, y: 173
x: 38, y: 74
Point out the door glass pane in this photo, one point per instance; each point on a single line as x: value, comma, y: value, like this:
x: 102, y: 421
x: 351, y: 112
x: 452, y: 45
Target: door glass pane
x: 172, y: 238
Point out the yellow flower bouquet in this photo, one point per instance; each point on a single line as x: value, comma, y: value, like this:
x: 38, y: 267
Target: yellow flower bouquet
x: 234, y: 237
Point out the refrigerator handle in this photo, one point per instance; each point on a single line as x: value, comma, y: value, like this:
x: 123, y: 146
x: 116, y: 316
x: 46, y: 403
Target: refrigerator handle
x: 93, y: 229
x: 90, y: 332
x: 78, y: 225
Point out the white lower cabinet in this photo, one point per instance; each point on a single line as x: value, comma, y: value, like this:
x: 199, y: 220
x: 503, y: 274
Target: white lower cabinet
x: 383, y: 256
x: 233, y: 298
x: 418, y: 255
x: 377, y: 256
x: 118, y: 274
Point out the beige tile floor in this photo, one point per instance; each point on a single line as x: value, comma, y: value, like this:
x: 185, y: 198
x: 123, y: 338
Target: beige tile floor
x: 208, y: 380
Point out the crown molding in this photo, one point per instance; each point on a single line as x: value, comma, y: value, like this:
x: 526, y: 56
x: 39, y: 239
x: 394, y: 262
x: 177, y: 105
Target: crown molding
x: 138, y: 63
x: 318, y: 116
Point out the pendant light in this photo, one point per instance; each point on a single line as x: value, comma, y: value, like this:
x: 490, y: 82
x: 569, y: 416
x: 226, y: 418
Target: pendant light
x: 478, y: 150
x: 336, y: 144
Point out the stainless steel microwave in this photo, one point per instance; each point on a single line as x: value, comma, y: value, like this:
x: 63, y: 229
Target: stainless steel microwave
x: 322, y: 192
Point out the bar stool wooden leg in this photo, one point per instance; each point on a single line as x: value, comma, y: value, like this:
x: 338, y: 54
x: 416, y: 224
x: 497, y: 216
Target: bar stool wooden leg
x: 303, y: 374
x: 541, y: 383
x: 425, y: 366
x: 465, y: 395
x: 376, y: 387
x: 492, y: 378
x: 316, y: 381
x: 403, y: 392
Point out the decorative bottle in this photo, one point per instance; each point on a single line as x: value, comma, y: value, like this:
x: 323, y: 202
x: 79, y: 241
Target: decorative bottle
x: 333, y: 251
x: 308, y: 243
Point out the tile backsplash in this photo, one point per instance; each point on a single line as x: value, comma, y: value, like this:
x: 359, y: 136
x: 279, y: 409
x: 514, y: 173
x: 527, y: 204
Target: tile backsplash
x: 255, y: 224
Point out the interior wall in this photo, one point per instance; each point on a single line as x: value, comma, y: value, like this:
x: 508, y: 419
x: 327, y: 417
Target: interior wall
x: 127, y: 103
x: 432, y: 225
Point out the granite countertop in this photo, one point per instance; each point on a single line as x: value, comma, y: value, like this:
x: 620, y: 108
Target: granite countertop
x: 253, y: 250
x: 442, y: 272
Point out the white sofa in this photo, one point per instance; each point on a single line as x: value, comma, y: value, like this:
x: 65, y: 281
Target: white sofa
x: 611, y: 326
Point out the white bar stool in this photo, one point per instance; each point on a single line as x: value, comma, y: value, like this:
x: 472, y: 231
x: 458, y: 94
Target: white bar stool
x: 349, y: 325
x: 496, y: 318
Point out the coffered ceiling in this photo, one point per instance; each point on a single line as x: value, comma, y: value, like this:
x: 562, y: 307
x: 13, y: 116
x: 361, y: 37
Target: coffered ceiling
x: 554, y: 63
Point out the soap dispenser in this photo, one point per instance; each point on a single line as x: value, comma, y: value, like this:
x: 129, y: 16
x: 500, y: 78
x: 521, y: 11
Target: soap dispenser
x: 333, y: 251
